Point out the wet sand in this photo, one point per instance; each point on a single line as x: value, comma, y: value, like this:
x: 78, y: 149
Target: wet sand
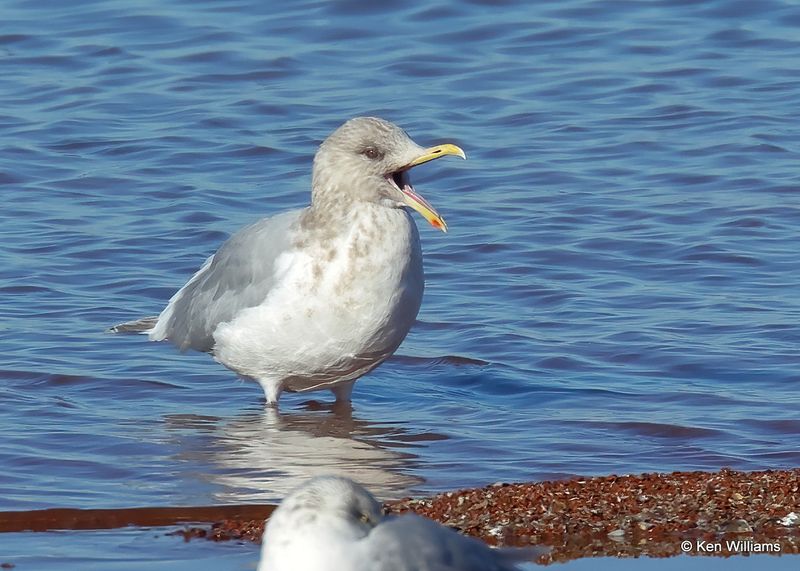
x: 717, y: 513
x: 87, y: 519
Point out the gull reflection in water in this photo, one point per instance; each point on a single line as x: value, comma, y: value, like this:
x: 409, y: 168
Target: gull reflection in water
x: 261, y: 456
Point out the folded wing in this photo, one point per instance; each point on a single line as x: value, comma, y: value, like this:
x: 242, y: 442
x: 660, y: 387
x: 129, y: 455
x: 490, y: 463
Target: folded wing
x: 413, y: 543
x: 239, y: 275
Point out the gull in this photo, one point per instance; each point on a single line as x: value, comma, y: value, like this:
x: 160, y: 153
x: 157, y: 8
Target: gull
x: 331, y: 523
x: 315, y: 298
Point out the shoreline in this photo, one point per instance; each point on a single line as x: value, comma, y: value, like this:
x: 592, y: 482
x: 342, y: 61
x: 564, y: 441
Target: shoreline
x: 719, y: 513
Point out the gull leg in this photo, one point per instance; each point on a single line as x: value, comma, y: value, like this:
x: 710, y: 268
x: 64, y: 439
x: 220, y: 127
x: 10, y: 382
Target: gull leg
x: 342, y: 391
x: 272, y: 391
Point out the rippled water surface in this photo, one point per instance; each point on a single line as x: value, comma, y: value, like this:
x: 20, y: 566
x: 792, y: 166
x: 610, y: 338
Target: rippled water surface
x: 618, y: 291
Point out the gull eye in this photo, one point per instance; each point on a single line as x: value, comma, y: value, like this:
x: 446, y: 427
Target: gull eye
x: 372, y: 153
x: 364, y: 518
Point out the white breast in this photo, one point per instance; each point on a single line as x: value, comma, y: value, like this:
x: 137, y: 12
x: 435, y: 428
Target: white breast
x: 338, y: 308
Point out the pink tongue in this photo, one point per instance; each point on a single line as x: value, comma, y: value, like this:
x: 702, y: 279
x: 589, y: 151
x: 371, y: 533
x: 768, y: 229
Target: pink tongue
x: 409, y: 190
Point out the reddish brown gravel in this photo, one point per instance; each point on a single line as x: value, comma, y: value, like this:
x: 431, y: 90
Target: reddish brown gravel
x: 622, y: 516
x: 76, y: 518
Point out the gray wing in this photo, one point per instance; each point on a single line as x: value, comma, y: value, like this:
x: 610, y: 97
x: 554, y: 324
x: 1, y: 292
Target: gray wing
x: 239, y: 275
x: 413, y: 543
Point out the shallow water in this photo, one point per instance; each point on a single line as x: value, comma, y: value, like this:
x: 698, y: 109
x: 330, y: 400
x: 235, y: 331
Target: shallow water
x: 617, y: 292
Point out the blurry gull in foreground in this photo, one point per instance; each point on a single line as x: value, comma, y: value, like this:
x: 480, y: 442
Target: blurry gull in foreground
x: 315, y: 298
x: 333, y: 524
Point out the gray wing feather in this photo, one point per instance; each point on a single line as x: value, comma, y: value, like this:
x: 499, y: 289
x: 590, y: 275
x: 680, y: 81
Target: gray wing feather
x: 413, y: 543
x: 239, y: 275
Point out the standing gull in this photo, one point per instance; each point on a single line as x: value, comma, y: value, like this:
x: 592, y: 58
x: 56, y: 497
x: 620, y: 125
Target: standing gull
x: 333, y: 524
x: 315, y: 298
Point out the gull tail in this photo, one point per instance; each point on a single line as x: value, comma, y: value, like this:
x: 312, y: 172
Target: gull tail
x: 143, y: 325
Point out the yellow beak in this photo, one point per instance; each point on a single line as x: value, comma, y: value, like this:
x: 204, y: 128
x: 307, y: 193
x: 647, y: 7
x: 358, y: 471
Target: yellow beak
x: 416, y: 201
x: 436, y: 152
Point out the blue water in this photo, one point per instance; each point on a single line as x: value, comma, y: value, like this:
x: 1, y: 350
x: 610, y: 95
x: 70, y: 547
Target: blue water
x: 617, y: 292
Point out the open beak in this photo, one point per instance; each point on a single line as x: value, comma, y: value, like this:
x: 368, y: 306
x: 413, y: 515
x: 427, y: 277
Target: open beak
x: 414, y: 200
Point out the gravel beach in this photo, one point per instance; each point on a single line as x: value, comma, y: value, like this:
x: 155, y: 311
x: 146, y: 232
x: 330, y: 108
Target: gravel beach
x: 658, y: 515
